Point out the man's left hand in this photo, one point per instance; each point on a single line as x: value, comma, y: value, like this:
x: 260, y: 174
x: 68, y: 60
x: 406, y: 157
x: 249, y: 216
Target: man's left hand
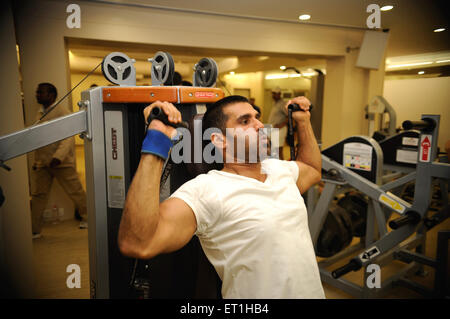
x: 304, y: 103
x: 55, y: 162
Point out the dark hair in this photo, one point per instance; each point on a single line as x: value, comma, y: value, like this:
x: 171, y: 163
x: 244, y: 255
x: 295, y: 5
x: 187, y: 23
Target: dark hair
x: 50, y: 88
x: 177, y: 79
x: 214, y: 116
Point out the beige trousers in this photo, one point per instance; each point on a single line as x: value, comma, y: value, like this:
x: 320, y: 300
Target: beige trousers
x: 41, y: 182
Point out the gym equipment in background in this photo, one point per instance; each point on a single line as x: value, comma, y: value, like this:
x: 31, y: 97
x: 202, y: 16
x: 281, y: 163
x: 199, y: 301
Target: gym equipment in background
x: 355, y: 166
x: 112, y: 125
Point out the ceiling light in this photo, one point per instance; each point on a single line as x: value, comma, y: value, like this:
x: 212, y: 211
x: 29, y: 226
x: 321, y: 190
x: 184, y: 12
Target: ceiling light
x: 421, y: 72
x: 409, y: 64
x: 443, y: 61
x: 439, y: 30
x: 386, y: 8
x: 304, y: 17
x: 283, y: 67
x: 295, y: 75
x: 276, y: 76
x: 232, y: 73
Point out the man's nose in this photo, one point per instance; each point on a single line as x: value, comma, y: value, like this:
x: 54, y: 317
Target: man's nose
x: 258, y: 125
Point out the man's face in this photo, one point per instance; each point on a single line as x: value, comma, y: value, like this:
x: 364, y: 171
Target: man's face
x: 43, y: 96
x: 276, y: 95
x: 245, y: 138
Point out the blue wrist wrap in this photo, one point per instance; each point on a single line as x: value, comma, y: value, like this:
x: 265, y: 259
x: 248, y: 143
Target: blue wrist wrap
x: 156, y: 143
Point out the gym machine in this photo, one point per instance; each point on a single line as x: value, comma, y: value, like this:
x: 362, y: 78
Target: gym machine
x: 112, y: 125
x: 356, y: 202
x: 376, y: 112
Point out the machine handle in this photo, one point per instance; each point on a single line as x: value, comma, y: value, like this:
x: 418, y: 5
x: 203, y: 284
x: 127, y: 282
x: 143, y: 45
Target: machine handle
x: 353, y: 265
x: 411, y: 217
x: 426, y: 124
x: 294, y: 107
x: 158, y: 114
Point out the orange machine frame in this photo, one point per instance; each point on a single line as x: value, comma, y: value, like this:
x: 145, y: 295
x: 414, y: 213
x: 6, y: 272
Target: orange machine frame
x: 172, y: 94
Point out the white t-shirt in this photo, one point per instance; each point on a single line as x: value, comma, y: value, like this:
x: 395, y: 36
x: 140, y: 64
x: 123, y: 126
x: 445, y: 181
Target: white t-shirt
x: 254, y: 233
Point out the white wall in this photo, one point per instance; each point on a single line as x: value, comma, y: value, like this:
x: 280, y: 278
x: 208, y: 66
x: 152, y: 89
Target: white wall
x: 413, y: 97
x: 15, y: 217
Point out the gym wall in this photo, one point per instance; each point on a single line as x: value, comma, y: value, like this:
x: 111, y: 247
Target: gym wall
x: 413, y: 97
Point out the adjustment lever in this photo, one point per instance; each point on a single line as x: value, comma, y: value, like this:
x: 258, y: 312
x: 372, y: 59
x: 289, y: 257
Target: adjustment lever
x: 353, y: 265
x: 158, y: 114
x: 410, y: 218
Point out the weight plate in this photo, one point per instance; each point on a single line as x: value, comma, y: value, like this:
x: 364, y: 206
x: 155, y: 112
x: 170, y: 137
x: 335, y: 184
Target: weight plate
x: 356, y: 205
x: 163, y: 68
x: 205, y: 73
x: 118, y: 68
x: 335, y: 234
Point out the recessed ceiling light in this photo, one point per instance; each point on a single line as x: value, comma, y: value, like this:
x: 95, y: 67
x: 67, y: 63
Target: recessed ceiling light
x: 386, y: 8
x: 408, y: 64
x: 283, y: 67
x: 421, y: 72
x: 439, y: 30
x: 232, y: 73
x: 304, y: 17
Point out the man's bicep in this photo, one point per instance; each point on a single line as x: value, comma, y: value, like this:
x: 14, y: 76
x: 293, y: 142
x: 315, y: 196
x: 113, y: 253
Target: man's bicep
x: 307, y: 176
x: 176, y: 226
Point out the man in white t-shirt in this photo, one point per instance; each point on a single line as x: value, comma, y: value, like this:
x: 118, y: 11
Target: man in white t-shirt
x: 249, y: 216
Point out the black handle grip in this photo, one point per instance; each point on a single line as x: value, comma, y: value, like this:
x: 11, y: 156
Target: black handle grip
x: 353, y: 265
x: 426, y: 124
x: 410, y: 217
x: 295, y: 107
x: 158, y: 114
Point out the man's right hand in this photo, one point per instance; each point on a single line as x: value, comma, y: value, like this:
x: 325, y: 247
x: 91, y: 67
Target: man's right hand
x: 174, y: 116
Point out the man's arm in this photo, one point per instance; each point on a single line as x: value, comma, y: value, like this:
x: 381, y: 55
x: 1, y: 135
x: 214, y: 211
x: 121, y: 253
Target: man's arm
x: 148, y: 228
x: 308, y: 158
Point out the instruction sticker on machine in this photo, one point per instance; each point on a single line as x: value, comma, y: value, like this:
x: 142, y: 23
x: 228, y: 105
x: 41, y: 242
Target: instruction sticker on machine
x: 358, y: 156
x: 115, y: 171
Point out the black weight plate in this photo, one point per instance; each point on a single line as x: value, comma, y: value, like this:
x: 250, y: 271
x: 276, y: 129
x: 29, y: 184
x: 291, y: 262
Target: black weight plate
x: 335, y: 234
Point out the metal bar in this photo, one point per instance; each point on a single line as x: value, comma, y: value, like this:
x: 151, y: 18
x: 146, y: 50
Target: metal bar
x: 370, y: 224
x: 410, y: 256
x: 408, y: 244
x: 341, y: 255
x: 440, y: 170
x: 391, y: 176
x: 341, y: 283
x: 399, y: 182
x: 381, y: 221
x: 96, y: 197
x: 320, y: 211
x: 363, y: 185
x: 37, y: 136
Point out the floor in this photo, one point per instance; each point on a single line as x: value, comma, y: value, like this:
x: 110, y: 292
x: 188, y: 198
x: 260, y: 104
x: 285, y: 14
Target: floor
x: 64, y: 244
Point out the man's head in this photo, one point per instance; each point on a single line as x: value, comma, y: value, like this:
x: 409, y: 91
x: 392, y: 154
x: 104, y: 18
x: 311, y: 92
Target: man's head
x: 233, y: 122
x: 46, y: 94
x: 276, y: 93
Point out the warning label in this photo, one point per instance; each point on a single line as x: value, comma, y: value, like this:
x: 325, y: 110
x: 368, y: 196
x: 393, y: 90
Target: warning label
x: 358, y: 156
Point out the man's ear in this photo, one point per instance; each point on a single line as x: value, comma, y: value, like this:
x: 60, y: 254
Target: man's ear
x: 218, y: 140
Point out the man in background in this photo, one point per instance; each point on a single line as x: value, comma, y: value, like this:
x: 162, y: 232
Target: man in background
x: 278, y: 118
x: 56, y: 160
